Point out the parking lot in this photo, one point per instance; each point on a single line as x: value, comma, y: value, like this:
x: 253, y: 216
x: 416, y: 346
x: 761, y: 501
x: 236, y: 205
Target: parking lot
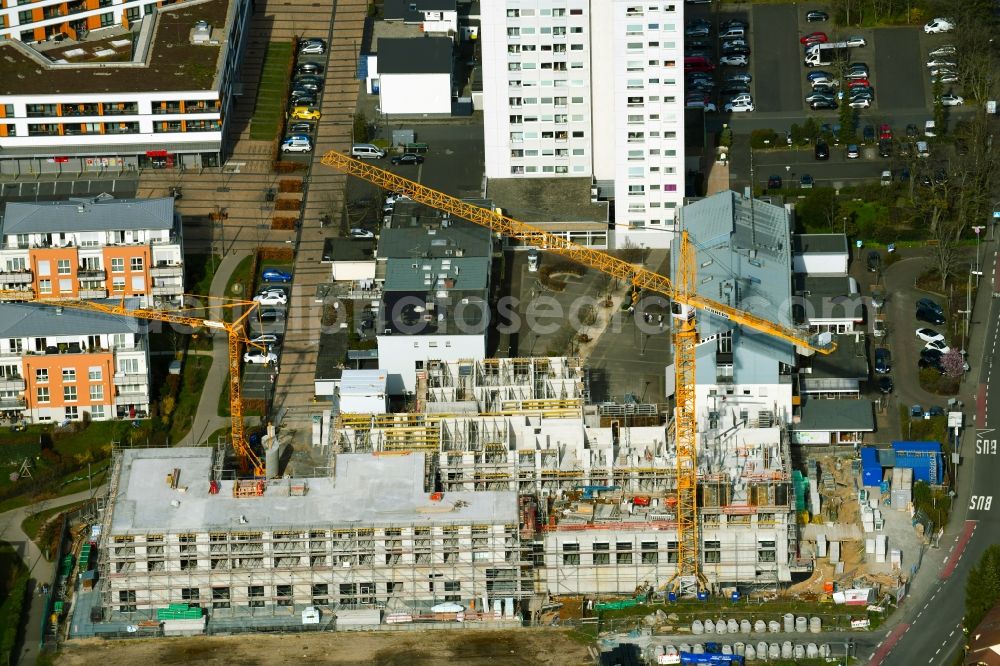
x: 777, y: 62
x: 299, y: 150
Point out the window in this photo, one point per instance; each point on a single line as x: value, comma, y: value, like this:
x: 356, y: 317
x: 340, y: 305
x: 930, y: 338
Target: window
x: 118, y: 284
x: 135, y: 263
x: 321, y: 594
x: 94, y: 373
x: 69, y: 393
x: 107, y: 20
x: 41, y: 375
x: 138, y: 284
x: 623, y: 553
x: 672, y: 552
x: 602, y: 554
x: 220, y: 597
x: 127, y: 600
x: 66, y: 286
x: 96, y: 392
x: 129, y: 366
x: 256, y: 595
x: 42, y: 394
x: 189, y: 593
x: 132, y: 13
x: 63, y: 267
x: 69, y: 375
x: 713, y: 552
x: 97, y: 411
x: 765, y: 551
x: 284, y: 595
x: 649, y: 552
x: 571, y: 553
x: 117, y: 264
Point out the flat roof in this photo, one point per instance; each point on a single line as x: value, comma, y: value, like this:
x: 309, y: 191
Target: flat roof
x: 420, y: 55
x: 828, y: 297
x: 836, y: 416
x: 349, y: 249
x: 437, y: 274
x: 412, y: 10
x: 332, y: 353
x: 366, y: 490
x: 27, y: 320
x: 848, y: 361
x: 362, y: 382
x: 100, y: 213
x: 565, y: 200
x: 819, y: 243
x: 457, y: 313
x: 173, y: 62
x: 459, y: 239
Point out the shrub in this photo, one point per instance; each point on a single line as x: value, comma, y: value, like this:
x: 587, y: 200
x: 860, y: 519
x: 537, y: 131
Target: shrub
x: 282, y: 166
x: 275, y: 253
x: 764, y: 138
x: 283, y: 223
x: 290, y: 185
x: 288, y: 204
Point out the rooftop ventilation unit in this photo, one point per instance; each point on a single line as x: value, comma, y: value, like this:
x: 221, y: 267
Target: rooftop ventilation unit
x: 201, y: 33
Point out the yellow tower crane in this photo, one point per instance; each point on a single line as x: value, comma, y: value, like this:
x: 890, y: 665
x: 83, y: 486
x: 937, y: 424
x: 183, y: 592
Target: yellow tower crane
x: 685, y: 336
x: 250, y: 463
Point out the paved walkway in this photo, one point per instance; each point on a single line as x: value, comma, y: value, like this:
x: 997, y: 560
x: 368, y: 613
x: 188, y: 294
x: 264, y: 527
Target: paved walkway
x: 41, y: 569
x: 207, y: 419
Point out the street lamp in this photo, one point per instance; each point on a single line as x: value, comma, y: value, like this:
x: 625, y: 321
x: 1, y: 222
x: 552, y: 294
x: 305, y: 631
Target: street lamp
x: 978, y: 272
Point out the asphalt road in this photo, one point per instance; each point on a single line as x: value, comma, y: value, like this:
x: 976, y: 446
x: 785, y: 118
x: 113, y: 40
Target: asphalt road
x: 776, y: 60
x: 899, y: 70
x: 836, y: 172
x: 933, y: 636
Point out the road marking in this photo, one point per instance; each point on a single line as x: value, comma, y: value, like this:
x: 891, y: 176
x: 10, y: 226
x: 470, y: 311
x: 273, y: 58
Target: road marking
x: 882, y: 651
x: 933, y: 595
x: 952, y: 633
x: 952, y: 561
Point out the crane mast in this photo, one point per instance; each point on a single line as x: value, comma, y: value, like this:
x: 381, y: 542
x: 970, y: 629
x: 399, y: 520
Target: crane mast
x: 685, y: 335
x: 236, y: 336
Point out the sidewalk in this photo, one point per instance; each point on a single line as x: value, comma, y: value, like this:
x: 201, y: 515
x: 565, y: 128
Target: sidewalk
x: 207, y: 419
x: 41, y: 569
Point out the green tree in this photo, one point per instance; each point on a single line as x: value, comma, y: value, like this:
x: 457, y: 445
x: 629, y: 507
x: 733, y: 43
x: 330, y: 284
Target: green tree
x: 818, y: 210
x: 847, y: 119
x: 360, y: 128
x: 982, y: 588
x: 939, y: 111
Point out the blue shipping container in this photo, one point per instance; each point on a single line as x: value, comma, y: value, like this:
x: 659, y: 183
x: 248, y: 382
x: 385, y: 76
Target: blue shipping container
x: 871, y: 470
x: 924, y: 458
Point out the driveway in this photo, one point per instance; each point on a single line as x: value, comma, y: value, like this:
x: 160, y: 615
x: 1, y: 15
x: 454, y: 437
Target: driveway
x: 776, y: 60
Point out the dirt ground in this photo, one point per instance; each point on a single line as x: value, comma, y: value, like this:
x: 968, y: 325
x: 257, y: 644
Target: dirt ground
x: 526, y: 647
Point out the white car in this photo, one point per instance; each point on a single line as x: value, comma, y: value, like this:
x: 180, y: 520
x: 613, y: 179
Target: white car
x: 258, y: 357
x: 938, y: 345
x: 824, y: 81
x: 734, y: 61
x: 266, y: 339
x: 952, y: 100
x: 943, y: 51
x: 271, y: 298
x: 860, y: 103
x: 938, y: 25
x: 941, y: 71
x: 393, y: 198
x: 856, y: 42
x: 929, y: 335
x: 945, y: 77
x: 939, y: 63
x: 361, y: 233
x: 738, y: 107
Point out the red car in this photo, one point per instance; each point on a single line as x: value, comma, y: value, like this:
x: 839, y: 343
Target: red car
x: 859, y: 83
x: 814, y: 38
x: 884, y: 131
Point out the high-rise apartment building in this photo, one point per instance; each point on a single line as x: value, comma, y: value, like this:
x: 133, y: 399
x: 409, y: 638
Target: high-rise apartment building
x: 579, y: 89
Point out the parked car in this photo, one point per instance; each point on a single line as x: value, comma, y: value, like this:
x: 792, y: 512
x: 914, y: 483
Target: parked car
x: 930, y: 316
x: 259, y: 357
x: 939, y: 345
x: 774, y: 183
x: 885, y: 148
x: 885, y: 384
x: 930, y: 304
x: 309, y: 67
x: 820, y: 97
x: 884, y: 131
x: 819, y: 74
x: 296, y: 144
x: 408, y: 158
x: 938, y: 25
x: 929, y: 335
x: 853, y: 152
x: 301, y: 128
x: 868, y: 134
x: 817, y: 16
x: 814, y: 38
x: 738, y: 107
x: 952, y: 100
x: 272, y: 298
x: 883, y: 360
x: 823, y: 104
x: 938, y: 63
x: 886, y: 179
x: 275, y: 275
x: 873, y: 261
x: 738, y: 76
x: 860, y: 102
x: 361, y: 233
x: 945, y: 77
x: 943, y: 51
x: 856, y: 41
x: 822, y: 150
x: 306, y: 113
x: 269, y: 289
x: 300, y: 98
x: 734, y: 60
x: 806, y: 181
x: 312, y: 46
x: 267, y: 339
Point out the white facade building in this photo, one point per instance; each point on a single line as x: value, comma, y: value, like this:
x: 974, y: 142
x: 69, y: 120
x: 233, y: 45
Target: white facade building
x: 438, y: 17
x: 412, y: 76
x: 577, y: 89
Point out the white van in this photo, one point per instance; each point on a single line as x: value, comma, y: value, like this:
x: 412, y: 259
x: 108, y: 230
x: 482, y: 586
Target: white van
x: 533, y: 260
x: 733, y: 33
x: 367, y: 151
x: 296, y: 144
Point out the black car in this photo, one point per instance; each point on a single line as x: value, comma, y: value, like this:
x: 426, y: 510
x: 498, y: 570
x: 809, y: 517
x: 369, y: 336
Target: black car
x: 697, y: 44
x: 774, y: 183
x: 309, y: 68
x: 931, y: 355
x: 270, y: 315
x: 822, y: 151
x: 733, y: 23
x: 817, y: 16
x: 883, y: 360
x: 885, y: 147
x: 823, y: 104
x: 736, y: 51
x: 930, y: 304
x: 930, y: 316
x: 934, y: 363
x: 874, y: 261
x: 301, y: 127
x: 303, y: 99
x: 911, y: 131
x: 868, y: 134
x: 885, y: 384
x: 736, y: 89
x: 408, y: 158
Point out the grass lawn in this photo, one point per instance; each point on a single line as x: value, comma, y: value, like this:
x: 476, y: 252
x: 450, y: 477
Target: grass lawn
x: 199, y: 269
x: 196, y: 369
x: 240, y: 284
x: 267, y: 120
x: 224, y: 404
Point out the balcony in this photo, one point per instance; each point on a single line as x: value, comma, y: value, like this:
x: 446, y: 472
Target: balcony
x: 93, y: 293
x: 163, y: 269
x: 166, y: 289
x: 91, y: 273
x: 15, y: 277
x: 11, y: 383
x: 12, y: 404
x: 131, y: 399
x: 126, y: 378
